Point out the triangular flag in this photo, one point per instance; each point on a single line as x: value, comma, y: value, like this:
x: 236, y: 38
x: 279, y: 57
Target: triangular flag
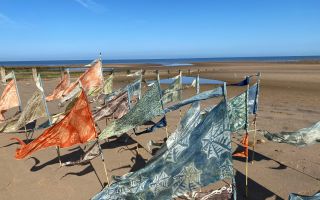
x: 92, y: 78
x: 245, y: 144
x: 58, y: 91
x: 9, y: 98
x: 76, y: 127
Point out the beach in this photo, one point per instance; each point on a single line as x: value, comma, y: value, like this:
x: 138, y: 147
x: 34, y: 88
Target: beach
x: 289, y: 100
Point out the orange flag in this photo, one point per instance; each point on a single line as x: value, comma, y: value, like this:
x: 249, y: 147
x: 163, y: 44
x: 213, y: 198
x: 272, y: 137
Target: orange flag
x: 76, y: 127
x: 92, y: 78
x: 58, y: 91
x: 245, y: 144
x: 9, y: 98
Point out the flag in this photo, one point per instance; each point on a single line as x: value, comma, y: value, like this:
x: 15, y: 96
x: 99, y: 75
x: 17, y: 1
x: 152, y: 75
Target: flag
x: 90, y: 79
x: 237, y: 112
x: 76, y: 89
x: 244, y: 82
x: 302, y: 137
x: 58, y: 91
x: 160, y: 124
x: 202, y: 96
x: 253, y: 98
x: 245, y: 144
x: 301, y: 197
x: 133, y: 89
x: 187, y: 124
x: 9, y: 98
x: 200, y: 158
x: 108, y: 84
x: 9, y: 76
x: 237, y: 108
x: 117, y: 107
x: 148, y: 107
x: 173, y: 93
x: 91, y: 153
x: 77, y: 127
x: 34, y: 109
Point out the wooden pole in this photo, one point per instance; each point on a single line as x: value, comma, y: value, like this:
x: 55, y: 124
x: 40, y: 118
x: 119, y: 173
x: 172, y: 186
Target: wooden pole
x: 19, y: 99
x: 254, y: 136
x: 103, y: 163
x: 247, y: 128
x: 3, y: 74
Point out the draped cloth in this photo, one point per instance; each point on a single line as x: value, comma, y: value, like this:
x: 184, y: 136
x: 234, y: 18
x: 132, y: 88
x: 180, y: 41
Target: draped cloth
x: 58, y: 91
x: 302, y: 137
x: 148, y: 107
x: 116, y: 107
x: 92, y: 78
x: 199, y: 158
x: 34, y: 109
x: 76, y: 127
x: 202, y: 96
x: 9, y: 98
x: 301, y: 197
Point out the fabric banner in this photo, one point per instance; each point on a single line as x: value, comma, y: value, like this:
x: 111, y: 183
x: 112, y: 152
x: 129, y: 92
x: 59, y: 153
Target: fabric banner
x: 253, y: 98
x: 173, y: 93
x: 187, y: 124
x: 133, y: 89
x: 237, y: 112
x: 76, y: 127
x: 160, y: 124
x: 301, y: 197
x: 116, y: 107
x: 148, y: 107
x: 302, y: 137
x: 89, y: 154
x: 9, y: 76
x: 245, y: 145
x: 60, y: 88
x: 90, y: 79
x: 200, y: 158
x: 244, y: 82
x: 9, y: 98
x: 76, y: 90
x: 202, y: 96
x: 34, y: 109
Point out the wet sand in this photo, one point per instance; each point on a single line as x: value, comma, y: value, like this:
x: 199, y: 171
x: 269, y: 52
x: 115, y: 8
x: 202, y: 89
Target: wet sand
x: 289, y: 100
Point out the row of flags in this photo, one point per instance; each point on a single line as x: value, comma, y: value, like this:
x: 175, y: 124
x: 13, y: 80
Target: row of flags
x: 196, y: 154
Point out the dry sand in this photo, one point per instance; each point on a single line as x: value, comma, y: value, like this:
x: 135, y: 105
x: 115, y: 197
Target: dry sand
x: 289, y: 100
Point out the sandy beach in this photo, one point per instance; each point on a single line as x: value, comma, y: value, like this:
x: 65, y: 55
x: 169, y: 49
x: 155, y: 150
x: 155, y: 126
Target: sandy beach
x: 289, y: 100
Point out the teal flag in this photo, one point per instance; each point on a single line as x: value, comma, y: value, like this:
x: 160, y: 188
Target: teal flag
x: 237, y: 112
x: 199, y: 158
x: 218, y: 92
x: 300, y: 197
x: 148, y: 107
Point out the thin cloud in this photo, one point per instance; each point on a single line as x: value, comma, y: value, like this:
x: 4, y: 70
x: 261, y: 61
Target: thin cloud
x: 91, y: 5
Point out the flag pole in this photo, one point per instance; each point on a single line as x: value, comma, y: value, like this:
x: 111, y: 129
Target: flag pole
x: 103, y: 162
x: 247, y: 128
x: 255, y: 118
x: 19, y: 99
x: 180, y: 74
x: 158, y: 79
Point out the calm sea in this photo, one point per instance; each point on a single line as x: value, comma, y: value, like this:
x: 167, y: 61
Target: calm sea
x: 164, y: 62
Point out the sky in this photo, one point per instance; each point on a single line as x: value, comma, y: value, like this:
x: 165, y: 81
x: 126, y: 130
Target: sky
x: 146, y: 29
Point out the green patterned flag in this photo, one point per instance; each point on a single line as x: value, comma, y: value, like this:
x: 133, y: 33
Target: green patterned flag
x: 237, y: 108
x: 199, y: 158
x: 105, y: 89
x: 173, y: 93
x: 148, y: 107
x: 35, y: 109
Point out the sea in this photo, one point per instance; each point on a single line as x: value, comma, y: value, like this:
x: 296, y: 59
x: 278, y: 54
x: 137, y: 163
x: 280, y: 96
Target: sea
x: 164, y: 62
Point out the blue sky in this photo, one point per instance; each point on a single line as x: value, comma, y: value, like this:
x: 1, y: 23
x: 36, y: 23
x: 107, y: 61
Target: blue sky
x: 132, y: 29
